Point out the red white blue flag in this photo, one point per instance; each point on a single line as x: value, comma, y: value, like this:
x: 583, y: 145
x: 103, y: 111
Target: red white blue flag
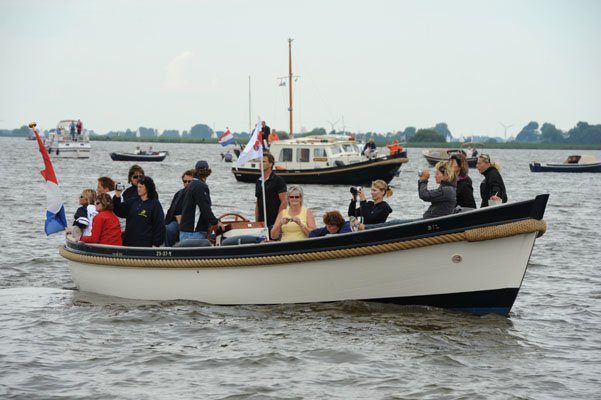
x: 55, y: 211
x: 226, y: 138
x: 254, y: 148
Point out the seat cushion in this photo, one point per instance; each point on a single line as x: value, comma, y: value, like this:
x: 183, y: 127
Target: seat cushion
x: 242, y: 239
x: 193, y: 243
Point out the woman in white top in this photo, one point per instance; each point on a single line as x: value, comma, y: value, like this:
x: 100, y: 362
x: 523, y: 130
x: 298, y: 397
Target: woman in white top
x: 296, y: 221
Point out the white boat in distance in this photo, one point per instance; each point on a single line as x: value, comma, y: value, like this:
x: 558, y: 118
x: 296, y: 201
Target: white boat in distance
x: 60, y: 144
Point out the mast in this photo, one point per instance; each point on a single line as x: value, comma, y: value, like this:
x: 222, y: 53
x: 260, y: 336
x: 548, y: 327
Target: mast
x: 290, y: 84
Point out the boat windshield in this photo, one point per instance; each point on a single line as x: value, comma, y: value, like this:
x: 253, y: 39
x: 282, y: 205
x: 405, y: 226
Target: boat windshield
x: 349, y: 148
x: 336, y: 149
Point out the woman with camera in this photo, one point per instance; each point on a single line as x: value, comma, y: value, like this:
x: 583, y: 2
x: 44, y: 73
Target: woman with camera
x: 295, y: 222
x: 375, y: 211
x: 465, y: 190
x: 106, y: 228
x: 145, y: 220
x: 444, y: 197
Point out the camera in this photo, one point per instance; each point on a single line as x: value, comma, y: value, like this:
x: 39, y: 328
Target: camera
x: 420, y: 173
x: 120, y: 187
x: 355, y: 190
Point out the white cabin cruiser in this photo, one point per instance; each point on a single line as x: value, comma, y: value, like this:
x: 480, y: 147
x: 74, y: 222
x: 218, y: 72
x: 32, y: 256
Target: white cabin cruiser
x: 61, y: 144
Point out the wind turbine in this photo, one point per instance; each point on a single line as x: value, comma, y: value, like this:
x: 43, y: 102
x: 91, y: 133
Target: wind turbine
x: 333, y: 124
x: 505, y: 127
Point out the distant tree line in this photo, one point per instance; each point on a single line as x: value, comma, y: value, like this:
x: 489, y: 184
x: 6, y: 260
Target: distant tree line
x: 582, y: 133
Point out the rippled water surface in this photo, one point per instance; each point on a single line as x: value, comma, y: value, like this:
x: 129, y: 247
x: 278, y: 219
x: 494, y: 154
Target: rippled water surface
x: 57, y: 342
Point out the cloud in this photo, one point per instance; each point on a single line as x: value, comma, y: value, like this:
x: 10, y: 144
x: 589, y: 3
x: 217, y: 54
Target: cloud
x: 177, y: 73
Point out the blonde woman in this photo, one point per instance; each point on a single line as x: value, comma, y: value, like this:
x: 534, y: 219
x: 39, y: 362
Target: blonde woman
x: 375, y: 211
x: 492, y: 187
x: 444, y: 197
x: 84, y: 215
x: 295, y: 222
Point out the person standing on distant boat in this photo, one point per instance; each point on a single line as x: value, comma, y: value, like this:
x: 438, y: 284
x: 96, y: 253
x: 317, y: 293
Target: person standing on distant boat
x: 273, y: 137
x: 492, y: 187
x: 265, y: 131
x: 275, y: 193
x: 370, y: 148
x: 197, y: 195
x: 394, y: 148
x: 79, y: 127
x: 72, y: 130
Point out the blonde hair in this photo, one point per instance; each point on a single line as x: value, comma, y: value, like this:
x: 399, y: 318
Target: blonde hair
x: 492, y: 162
x: 383, y: 186
x: 447, y: 170
x: 89, y: 195
x: 295, y: 189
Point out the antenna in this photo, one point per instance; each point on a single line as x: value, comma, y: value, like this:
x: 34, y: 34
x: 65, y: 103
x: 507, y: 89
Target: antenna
x: 505, y: 127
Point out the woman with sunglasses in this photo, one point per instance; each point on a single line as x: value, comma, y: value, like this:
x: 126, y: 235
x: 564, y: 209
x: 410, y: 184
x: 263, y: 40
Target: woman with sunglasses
x: 144, y: 217
x: 82, y: 224
x: 295, y: 222
x: 106, y: 228
x: 135, y: 174
x: 444, y: 197
x: 465, y: 190
x: 492, y: 187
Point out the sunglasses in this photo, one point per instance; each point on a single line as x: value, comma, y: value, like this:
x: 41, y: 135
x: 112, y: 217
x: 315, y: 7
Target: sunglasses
x: 98, y: 203
x: 82, y: 197
x: 186, y: 181
x: 295, y: 197
x: 137, y: 176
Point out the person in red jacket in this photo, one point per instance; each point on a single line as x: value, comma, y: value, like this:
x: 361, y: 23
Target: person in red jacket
x: 106, y: 228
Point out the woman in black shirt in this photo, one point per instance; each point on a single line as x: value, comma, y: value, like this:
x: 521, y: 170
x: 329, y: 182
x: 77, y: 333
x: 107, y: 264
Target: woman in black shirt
x: 465, y: 190
x: 373, y: 212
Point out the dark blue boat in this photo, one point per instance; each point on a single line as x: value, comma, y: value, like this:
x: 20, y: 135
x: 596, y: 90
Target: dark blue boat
x: 574, y: 163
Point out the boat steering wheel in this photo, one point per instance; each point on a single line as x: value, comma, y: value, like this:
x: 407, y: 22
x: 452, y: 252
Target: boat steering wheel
x: 237, y: 218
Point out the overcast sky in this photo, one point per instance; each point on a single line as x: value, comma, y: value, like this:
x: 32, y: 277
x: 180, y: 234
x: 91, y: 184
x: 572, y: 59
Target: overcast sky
x: 382, y: 65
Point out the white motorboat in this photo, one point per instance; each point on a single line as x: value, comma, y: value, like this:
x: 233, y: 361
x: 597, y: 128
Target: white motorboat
x: 61, y: 144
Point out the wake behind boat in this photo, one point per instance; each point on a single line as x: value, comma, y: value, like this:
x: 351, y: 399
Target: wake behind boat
x: 472, y: 261
x: 141, y: 156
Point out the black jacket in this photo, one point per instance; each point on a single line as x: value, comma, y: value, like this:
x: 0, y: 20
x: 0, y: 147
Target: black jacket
x: 197, y: 194
x: 144, y: 224
x: 130, y: 193
x: 82, y: 212
x: 176, y: 206
x: 492, y: 183
x: 371, y: 213
x: 465, y: 192
x: 443, y: 198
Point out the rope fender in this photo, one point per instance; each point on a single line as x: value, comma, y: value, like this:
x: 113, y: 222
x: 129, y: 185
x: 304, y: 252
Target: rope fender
x: 472, y: 235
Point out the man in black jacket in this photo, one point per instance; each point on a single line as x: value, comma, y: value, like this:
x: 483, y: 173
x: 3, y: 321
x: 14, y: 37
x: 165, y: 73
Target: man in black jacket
x: 174, y: 214
x: 275, y: 193
x: 197, y: 195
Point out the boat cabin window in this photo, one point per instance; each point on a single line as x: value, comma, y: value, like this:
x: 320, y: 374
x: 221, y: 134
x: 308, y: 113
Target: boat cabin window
x: 285, y: 155
x: 349, y: 148
x: 336, y: 149
x: 319, y: 152
x: 303, y: 155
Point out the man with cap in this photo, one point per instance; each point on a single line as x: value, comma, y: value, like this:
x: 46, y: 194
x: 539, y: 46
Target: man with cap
x: 197, y: 195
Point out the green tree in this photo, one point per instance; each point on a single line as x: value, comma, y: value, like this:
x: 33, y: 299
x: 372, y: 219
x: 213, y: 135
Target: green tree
x: 443, y: 129
x: 201, y: 131
x: 550, y: 134
x: 170, y: 133
x: 584, y: 133
x: 529, y: 133
x: 427, y: 136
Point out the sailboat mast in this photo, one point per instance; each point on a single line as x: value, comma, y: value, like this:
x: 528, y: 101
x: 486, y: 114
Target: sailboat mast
x: 290, y: 84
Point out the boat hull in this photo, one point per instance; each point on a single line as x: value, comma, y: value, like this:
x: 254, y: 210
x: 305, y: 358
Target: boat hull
x: 363, y: 173
x: 471, y: 161
x: 537, y: 167
x: 138, y: 157
x: 480, y: 283
x: 75, y: 150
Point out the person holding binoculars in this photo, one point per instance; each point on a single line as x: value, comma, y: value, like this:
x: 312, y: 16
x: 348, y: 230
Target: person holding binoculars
x: 375, y: 211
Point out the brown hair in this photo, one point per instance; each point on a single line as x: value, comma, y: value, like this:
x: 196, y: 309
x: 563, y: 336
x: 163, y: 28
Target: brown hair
x: 462, y: 162
x: 105, y: 200
x: 269, y: 158
x: 107, y: 183
x: 132, y: 171
x: 447, y: 171
x: 89, y: 195
x: 333, y: 218
x: 189, y: 172
x: 383, y: 186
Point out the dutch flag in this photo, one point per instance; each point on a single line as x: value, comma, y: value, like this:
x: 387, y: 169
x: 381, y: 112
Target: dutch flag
x: 55, y: 211
x: 226, y: 138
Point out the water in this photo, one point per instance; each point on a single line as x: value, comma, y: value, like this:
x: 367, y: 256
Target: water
x: 56, y: 342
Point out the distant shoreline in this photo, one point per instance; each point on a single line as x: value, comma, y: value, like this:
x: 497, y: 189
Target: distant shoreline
x: 510, y: 145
